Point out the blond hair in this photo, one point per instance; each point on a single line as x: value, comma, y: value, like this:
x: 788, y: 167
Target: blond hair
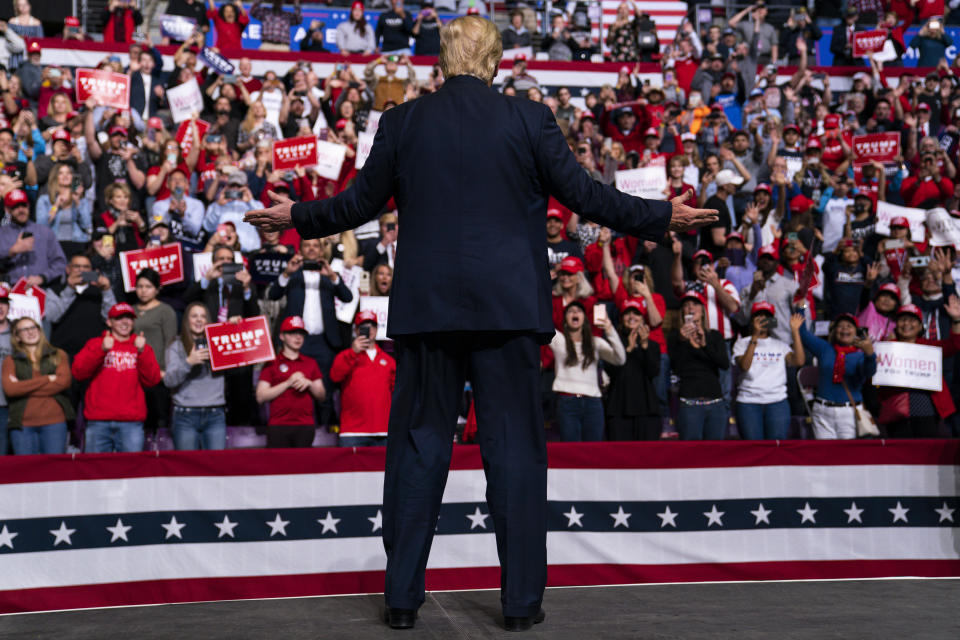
x: 471, y: 46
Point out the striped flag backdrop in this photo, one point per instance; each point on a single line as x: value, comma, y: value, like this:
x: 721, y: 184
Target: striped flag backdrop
x: 98, y: 530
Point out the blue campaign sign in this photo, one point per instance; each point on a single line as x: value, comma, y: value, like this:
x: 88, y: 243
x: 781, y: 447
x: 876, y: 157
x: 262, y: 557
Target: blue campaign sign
x: 330, y: 16
x: 825, y: 58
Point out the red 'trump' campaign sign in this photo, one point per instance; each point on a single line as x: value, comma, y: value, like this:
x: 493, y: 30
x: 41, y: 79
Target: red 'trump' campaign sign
x: 867, y: 42
x: 238, y: 345
x: 166, y: 260
x: 288, y: 154
x: 112, y: 89
x: 882, y: 147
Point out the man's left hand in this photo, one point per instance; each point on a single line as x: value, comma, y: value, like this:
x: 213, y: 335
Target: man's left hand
x: 276, y: 218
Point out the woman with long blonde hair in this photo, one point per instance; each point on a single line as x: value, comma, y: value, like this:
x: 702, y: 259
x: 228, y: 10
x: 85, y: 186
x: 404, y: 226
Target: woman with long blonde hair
x: 36, y: 376
x: 255, y: 127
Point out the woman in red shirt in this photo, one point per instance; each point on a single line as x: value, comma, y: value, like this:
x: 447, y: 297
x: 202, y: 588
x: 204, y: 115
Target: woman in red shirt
x: 230, y: 21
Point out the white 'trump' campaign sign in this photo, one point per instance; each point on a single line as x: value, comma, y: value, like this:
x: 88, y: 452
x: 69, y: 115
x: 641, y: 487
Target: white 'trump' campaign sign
x: 914, y: 366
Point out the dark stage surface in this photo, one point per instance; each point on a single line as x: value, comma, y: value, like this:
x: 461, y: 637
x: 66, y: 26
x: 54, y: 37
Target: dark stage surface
x: 850, y: 609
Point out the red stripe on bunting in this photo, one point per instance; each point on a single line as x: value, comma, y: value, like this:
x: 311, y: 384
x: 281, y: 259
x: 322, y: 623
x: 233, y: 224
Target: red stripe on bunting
x: 364, y: 582
x: 580, y: 455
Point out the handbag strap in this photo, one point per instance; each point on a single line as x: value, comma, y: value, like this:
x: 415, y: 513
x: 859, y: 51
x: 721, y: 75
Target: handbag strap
x: 849, y: 395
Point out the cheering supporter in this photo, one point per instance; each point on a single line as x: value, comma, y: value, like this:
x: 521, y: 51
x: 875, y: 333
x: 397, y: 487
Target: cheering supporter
x: 36, y: 376
x: 384, y: 251
x: 571, y: 286
x: 125, y: 223
x: 5, y: 350
x: 936, y: 287
x: 157, y: 322
x: 229, y: 21
x: 275, y: 24
x: 381, y: 279
x: 120, y: 19
x: 64, y: 153
x: 845, y: 274
x: 355, y: 35
x: 697, y: 356
x: 63, y: 207
x: 632, y: 406
x: 118, y: 365
x: 927, y: 188
x: 719, y: 294
x: 366, y: 375
x: 388, y: 87
x: 290, y: 384
x: 426, y: 30
x: 558, y: 247
x: 310, y: 286
x: 146, y: 89
x: 78, y: 307
x: 878, y: 315
x: 846, y: 361
x: 172, y: 158
x: 233, y: 201
x: 119, y: 162
x: 184, y: 213
x: 577, y: 354
x: 763, y: 412
x: 31, y: 250
x: 394, y: 28
x: 915, y: 413
x: 516, y: 36
x: 198, y: 420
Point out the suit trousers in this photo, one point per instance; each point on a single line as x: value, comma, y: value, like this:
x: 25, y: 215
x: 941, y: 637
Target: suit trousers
x: 504, y: 369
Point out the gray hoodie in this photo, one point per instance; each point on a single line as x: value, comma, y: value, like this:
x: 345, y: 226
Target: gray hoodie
x: 192, y: 387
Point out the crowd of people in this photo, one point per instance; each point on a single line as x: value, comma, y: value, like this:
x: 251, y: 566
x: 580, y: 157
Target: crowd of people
x: 773, y: 312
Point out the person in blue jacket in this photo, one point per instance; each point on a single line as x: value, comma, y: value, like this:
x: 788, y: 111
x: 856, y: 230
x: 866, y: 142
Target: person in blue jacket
x: 846, y: 357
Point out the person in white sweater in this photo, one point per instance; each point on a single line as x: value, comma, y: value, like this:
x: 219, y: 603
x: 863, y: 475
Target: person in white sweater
x: 356, y: 35
x: 577, y: 384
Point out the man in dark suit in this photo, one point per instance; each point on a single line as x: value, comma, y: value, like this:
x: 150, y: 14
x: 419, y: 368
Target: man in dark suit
x: 309, y: 277
x: 146, y: 86
x: 471, y: 172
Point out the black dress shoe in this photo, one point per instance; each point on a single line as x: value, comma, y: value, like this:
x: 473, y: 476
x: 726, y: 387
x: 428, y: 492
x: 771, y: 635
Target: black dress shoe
x: 523, y: 623
x: 400, y: 618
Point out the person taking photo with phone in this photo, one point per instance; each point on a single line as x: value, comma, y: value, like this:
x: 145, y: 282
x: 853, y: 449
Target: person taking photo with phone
x: 78, y: 307
x: 199, y: 419
x: 366, y: 375
x: 763, y: 411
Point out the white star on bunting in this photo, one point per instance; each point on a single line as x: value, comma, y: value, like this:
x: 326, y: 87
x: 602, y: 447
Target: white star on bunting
x: 376, y: 521
x: 761, y: 514
x: 173, y: 528
x: 853, y: 513
x: 945, y: 512
x: 478, y: 519
x: 667, y: 518
x: 573, y: 518
x: 278, y: 526
x: 226, y: 527
x: 62, y: 534
x: 714, y: 516
x: 899, y: 513
x: 621, y: 518
x: 806, y: 514
x: 118, y: 531
x: 7, y: 536
x: 329, y: 523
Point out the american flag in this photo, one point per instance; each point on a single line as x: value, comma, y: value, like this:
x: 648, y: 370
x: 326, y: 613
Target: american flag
x: 115, y: 529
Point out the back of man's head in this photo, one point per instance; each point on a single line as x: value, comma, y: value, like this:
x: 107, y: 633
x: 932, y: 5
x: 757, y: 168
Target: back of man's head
x: 470, y: 45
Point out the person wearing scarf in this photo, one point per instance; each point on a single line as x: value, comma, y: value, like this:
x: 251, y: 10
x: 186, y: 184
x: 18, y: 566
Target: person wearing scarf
x: 846, y: 357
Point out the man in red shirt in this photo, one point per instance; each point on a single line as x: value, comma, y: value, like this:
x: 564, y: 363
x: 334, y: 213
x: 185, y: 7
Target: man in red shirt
x: 290, y: 384
x: 366, y: 375
x: 118, y: 366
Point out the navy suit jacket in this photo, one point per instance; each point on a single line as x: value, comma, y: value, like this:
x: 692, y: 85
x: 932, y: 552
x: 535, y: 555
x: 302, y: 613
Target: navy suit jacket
x: 137, y: 100
x: 471, y: 171
x: 296, y: 295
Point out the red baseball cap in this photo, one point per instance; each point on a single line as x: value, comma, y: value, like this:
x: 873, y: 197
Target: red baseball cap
x: 120, y: 310
x: 768, y: 250
x: 703, y: 253
x: 651, y: 132
x: 813, y: 143
x: 831, y: 121
x: 800, y: 203
x: 571, y: 264
x: 632, y: 304
x: 763, y: 186
x: 892, y: 289
x: 520, y: 57
x: 365, y: 316
x: 693, y: 295
x: 118, y: 130
x: 716, y: 106
x: 356, y: 4
x: 923, y: 106
x: 4, y: 291
x: 341, y: 124
x: 791, y: 127
x: 474, y: 11
x: 291, y: 324
x: 849, y: 317
x: 155, y: 123
x: 900, y: 221
x: 912, y: 310
x: 34, y: 47
x: 734, y: 235
x: 63, y: 135
x: 71, y: 21
x: 762, y: 307
x: 15, y: 197
x: 554, y: 213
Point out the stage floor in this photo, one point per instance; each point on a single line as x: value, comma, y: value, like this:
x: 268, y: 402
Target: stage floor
x: 849, y: 609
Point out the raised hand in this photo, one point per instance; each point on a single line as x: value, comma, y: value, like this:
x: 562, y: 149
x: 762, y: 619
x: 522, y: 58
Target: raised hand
x: 140, y: 342
x: 107, y: 342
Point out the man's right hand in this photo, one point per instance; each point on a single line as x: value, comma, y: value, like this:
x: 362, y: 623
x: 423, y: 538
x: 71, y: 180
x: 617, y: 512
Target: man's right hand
x: 360, y: 344
x: 685, y: 217
x: 293, y: 265
x: 22, y: 245
x: 74, y: 279
x: 107, y: 343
